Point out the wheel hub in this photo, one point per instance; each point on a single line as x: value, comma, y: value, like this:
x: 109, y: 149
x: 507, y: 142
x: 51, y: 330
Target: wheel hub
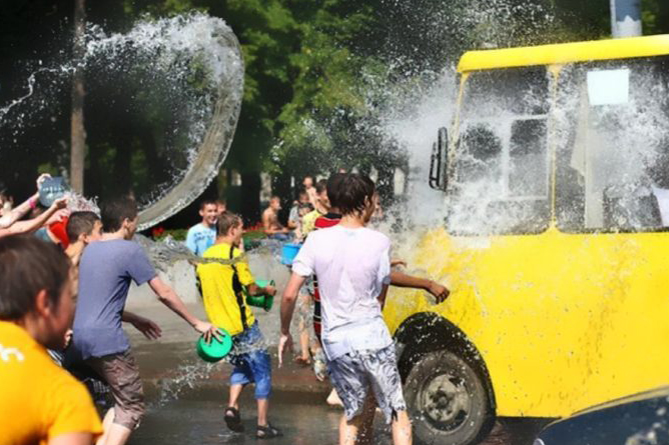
x: 445, y: 401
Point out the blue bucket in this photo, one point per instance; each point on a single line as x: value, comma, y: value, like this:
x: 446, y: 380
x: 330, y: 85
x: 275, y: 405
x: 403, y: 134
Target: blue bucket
x: 289, y: 252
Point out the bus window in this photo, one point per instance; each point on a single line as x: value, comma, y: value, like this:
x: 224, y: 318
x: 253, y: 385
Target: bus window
x: 613, y: 151
x: 528, y: 159
x: 499, y: 182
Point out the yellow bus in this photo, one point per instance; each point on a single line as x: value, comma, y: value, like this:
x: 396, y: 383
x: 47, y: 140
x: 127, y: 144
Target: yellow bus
x: 555, y: 175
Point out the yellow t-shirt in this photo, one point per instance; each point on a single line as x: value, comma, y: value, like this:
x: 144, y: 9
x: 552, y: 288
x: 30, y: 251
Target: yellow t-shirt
x: 218, y: 295
x: 38, y: 399
x: 309, y: 222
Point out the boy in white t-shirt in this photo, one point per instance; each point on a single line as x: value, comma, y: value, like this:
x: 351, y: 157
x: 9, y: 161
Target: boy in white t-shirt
x: 352, y: 264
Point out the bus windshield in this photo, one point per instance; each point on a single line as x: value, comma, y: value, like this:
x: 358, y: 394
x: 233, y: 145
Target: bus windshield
x: 500, y: 176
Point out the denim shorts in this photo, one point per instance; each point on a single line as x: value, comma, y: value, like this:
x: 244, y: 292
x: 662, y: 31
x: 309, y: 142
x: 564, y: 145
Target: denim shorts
x: 251, y: 361
x: 357, y: 373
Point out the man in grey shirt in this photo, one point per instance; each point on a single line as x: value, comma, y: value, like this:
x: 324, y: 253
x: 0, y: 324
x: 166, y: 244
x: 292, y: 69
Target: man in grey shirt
x: 105, y: 271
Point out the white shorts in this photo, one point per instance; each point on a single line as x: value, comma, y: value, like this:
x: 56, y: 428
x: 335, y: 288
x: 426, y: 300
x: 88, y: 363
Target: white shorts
x: 354, y: 374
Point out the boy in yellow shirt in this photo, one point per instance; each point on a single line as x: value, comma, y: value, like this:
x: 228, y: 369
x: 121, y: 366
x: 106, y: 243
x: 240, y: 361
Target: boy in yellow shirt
x: 222, y: 281
x: 39, y: 401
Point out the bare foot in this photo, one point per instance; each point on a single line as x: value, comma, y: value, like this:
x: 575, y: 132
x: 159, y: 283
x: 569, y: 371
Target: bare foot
x: 333, y: 399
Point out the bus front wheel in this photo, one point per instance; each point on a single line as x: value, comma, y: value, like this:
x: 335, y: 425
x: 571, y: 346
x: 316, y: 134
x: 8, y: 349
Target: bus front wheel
x: 448, y: 400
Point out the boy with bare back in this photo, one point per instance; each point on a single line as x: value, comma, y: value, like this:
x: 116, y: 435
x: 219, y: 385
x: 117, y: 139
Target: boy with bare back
x: 270, y: 221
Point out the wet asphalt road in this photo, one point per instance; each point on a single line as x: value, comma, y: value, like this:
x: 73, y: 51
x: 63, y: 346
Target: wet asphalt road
x: 195, y: 414
x: 197, y: 418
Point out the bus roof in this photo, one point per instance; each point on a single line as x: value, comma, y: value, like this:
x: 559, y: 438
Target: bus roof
x: 565, y: 53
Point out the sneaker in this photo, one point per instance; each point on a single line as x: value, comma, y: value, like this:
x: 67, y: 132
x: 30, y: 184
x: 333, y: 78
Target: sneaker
x: 268, y: 432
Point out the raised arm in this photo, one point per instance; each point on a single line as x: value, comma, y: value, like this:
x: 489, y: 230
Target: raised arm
x: 18, y: 212
x: 21, y: 210
x: 34, y: 224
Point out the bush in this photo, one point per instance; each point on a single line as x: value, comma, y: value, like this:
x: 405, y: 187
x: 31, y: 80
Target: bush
x: 252, y: 235
x: 159, y: 233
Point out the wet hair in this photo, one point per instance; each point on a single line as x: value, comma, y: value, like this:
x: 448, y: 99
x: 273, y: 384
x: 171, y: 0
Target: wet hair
x: 29, y: 265
x: 207, y: 202
x: 115, y: 211
x: 226, y: 221
x: 333, y: 187
x: 80, y: 222
x: 321, y: 186
x: 352, y: 191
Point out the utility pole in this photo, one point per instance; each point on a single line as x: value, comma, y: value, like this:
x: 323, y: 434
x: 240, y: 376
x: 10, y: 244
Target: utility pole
x: 625, y: 18
x: 78, y: 133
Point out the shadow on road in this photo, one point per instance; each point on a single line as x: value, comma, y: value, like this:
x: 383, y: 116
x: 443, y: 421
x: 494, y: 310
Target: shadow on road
x: 515, y: 431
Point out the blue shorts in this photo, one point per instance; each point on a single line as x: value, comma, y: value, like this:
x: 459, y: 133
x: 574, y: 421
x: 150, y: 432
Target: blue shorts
x: 251, y: 361
x: 283, y: 237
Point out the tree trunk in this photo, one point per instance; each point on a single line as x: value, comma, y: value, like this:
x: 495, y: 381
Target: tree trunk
x: 250, y: 208
x: 78, y: 134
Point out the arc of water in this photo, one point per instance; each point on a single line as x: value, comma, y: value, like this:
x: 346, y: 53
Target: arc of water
x: 212, y: 151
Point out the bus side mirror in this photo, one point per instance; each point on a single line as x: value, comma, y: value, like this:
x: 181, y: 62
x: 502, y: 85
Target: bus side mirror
x: 439, y: 161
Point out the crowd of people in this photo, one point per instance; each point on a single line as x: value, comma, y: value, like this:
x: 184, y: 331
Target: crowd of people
x: 64, y: 280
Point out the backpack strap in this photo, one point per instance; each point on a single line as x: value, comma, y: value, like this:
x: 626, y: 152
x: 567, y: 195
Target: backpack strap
x: 239, y: 292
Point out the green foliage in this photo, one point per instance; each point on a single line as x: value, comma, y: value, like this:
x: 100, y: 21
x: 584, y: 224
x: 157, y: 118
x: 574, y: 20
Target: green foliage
x: 317, y: 69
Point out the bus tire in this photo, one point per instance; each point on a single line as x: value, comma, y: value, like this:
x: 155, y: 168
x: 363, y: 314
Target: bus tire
x: 447, y: 400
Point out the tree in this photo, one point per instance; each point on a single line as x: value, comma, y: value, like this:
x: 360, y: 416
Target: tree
x: 319, y: 73
x: 78, y: 136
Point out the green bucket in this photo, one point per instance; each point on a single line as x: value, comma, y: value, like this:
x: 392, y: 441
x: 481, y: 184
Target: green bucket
x: 261, y: 301
x: 215, y: 350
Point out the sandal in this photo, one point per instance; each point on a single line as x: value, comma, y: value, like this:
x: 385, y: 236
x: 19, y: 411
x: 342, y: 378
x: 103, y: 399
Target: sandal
x: 268, y: 432
x: 233, y: 420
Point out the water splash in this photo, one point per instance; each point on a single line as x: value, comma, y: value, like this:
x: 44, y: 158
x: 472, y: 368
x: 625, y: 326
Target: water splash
x: 191, y: 64
x: 186, y: 377
x: 168, y: 251
x: 30, y: 86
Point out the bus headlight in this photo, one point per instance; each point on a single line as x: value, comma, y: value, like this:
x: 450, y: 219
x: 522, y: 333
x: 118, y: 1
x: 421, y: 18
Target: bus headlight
x: 538, y: 442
